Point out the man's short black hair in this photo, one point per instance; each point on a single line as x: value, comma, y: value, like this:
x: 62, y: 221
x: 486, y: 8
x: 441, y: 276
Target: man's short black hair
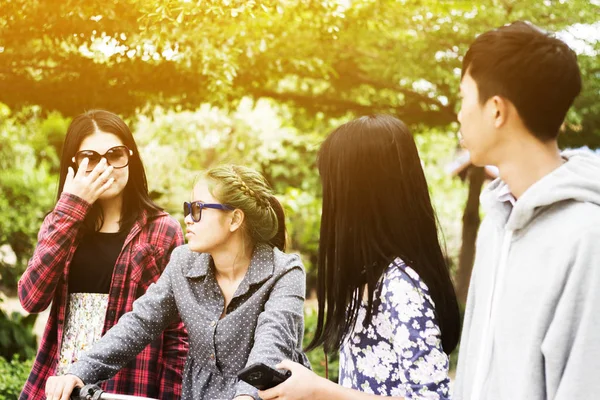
x: 535, y: 71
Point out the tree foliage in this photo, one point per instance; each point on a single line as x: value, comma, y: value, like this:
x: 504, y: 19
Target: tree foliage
x: 28, y: 163
x: 324, y: 57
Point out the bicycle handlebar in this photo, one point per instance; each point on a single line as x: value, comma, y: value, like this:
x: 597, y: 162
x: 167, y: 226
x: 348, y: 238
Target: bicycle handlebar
x: 94, y: 392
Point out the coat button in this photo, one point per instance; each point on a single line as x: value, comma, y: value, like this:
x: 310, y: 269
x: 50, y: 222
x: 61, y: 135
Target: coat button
x: 212, y: 356
x: 213, y: 323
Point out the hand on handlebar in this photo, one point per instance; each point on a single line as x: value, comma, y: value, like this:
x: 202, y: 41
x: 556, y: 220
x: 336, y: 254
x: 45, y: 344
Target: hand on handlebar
x: 60, y: 387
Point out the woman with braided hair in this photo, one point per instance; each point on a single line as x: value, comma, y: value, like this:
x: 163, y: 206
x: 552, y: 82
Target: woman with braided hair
x: 238, y: 294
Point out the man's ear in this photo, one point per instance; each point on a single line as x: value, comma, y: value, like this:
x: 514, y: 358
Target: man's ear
x: 500, y: 109
x: 237, y: 219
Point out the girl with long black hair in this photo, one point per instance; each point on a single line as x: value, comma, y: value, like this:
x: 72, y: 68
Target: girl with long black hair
x: 104, y: 243
x: 386, y: 300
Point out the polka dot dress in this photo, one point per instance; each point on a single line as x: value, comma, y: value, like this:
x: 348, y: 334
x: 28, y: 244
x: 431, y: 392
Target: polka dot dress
x: 263, y: 323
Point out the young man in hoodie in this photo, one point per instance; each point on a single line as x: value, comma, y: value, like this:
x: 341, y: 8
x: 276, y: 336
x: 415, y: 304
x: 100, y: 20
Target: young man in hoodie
x: 532, y: 322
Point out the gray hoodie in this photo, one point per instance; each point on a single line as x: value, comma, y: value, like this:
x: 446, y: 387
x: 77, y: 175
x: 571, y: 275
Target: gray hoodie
x: 532, y: 323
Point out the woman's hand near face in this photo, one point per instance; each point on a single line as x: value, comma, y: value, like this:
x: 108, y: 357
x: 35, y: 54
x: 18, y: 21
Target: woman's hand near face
x: 60, y: 387
x: 89, y: 187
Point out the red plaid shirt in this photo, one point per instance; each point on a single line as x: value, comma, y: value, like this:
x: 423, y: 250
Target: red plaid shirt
x: 157, y: 371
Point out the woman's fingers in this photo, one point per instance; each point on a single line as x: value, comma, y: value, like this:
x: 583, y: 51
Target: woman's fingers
x: 288, y: 364
x: 67, y: 390
x: 60, y: 388
x: 98, y: 170
x: 50, y: 384
x: 56, y: 392
x: 82, y: 168
x: 106, y: 186
x: 104, y: 177
x: 70, y: 175
x: 269, y: 394
x: 100, y: 181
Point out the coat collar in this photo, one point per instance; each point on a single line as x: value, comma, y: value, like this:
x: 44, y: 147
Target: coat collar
x: 261, y: 267
x: 143, y: 219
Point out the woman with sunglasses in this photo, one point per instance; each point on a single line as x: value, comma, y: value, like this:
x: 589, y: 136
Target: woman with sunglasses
x: 100, y: 248
x: 239, y: 295
x: 386, y: 300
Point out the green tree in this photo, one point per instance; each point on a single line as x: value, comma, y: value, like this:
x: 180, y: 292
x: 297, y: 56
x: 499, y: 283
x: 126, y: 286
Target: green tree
x: 323, y: 59
x: 331, y: 57
x: 28, y: 165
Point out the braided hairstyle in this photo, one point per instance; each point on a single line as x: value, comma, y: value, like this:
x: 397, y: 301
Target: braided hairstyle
x: 246, y: 189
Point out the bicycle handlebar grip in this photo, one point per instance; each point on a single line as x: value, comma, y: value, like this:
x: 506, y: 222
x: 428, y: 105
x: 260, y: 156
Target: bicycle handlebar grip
x: 88, y: 392
x: 76, y: 393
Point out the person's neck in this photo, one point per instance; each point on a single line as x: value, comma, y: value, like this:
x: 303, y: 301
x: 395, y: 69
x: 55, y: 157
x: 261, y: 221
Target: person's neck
x: 232, y: 262
x: 111, y: 211
x: 527, y: 162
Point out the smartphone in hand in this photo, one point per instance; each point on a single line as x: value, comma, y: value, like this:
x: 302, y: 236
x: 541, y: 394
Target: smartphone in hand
x: 262, y: 376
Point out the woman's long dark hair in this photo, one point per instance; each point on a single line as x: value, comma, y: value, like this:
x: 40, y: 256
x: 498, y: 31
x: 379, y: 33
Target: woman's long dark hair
x: 135, y: 194
x: 376, y: 207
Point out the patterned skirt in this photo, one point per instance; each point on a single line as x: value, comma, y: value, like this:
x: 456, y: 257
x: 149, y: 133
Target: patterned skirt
x: 83, y: 327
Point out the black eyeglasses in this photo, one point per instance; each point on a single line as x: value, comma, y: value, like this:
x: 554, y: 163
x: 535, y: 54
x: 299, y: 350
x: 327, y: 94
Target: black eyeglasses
x: 195, y: 208
x: 117, y: 156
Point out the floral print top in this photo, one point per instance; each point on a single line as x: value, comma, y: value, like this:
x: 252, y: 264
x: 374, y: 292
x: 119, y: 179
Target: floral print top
x: 83, y: 328
x: 400, y: 352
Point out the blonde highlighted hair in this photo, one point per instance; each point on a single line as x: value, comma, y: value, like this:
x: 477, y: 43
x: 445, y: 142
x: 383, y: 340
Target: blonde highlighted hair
x: 246, y: 189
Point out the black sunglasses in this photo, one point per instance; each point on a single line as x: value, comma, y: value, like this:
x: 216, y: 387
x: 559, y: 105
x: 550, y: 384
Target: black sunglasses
x: 195, y: 209
x: 117, y: 156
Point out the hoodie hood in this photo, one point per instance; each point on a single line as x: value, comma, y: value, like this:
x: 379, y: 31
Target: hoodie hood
x: 578, y: 179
